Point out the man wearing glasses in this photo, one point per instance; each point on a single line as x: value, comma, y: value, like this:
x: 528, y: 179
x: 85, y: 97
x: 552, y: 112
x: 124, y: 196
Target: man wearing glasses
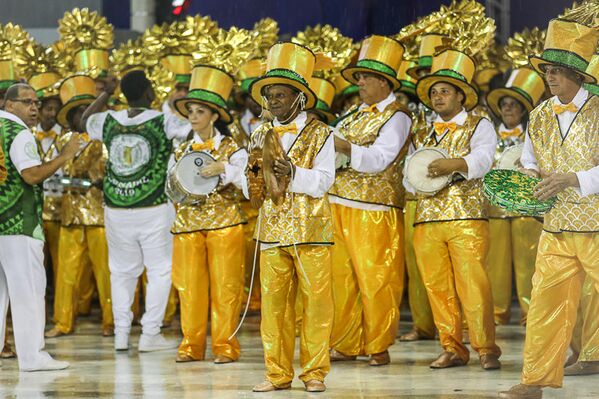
x: 22, y: 274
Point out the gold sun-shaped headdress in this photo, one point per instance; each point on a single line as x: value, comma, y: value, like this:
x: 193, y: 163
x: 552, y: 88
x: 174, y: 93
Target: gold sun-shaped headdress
x: 226, y: 49
x: 266, y: 34
x: 85, y: 29
x: 330, y: 42
x: 523, y: 44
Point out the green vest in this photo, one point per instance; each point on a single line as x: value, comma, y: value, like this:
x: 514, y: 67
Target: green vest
x: 20, y: 203
x: 137, y: 163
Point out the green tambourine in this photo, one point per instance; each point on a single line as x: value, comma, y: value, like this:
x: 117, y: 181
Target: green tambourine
x: 514, y: 191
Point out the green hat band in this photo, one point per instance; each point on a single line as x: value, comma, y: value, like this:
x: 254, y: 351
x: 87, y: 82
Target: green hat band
x: 321, y: 105
x: 407, y: 85
x: 451, y: 74
x: 592, y: 88
x: 245, y: 84
x: 566, y: 58
x: 286, y: 73
x: 5, y: 84
x: 522, y: 93
x: 183, y: 78
x: 350, y: 90
x: 81, y: 97
x: 425, y: 62
x: 207, y: 96
x: 377, y: 66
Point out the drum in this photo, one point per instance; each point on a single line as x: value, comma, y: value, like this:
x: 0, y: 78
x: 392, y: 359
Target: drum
x: 185, y: 185
x: 510, y: 157
x: 514, y: 191
x: 416, y: 171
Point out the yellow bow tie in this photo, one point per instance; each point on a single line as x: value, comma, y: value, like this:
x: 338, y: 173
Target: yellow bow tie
x: 281, y: 130
x: 85, y: 137
x: 207, y: 145
x: 510, y: 133
x: 560, y: 109
x: 40, y: 135
x: 371, y: 109
x: 441, y: 127
x: 254, y: 120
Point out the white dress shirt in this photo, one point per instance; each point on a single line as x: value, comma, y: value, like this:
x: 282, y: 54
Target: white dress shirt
x: 588, y: 179
x: 317, y: 181
x: 234, y: 166
x: 377, y: 157
x: 249, y: 122
x: 482, y: 148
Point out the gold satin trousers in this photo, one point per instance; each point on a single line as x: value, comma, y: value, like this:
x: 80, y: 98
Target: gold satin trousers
x: 284, y: 271
x: 452, y: 259
x: 512, y: 249
x: 562, y: 260
x: 368, y: 273
x: 422, y: 314
x: 208, y: 273
x: 81, y: 247
x: 586, y: 328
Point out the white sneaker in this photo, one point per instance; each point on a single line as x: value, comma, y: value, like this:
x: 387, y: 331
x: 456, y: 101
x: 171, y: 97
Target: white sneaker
x: 50, y: 365
x: 121, y: 341
x: 152, y: 343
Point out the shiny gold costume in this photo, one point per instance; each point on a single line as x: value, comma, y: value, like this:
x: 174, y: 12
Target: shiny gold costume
x: 293, y: 265
x: 208, y: 265
x: 368, y: 258
x: 586, y: 328
x: 512, y: 249
x: 451, y: 241
x: 568, y: 247
x: 82, y: 238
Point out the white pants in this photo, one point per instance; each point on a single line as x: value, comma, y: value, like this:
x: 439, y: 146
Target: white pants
x: 137, y: 238
x: 23, y: 282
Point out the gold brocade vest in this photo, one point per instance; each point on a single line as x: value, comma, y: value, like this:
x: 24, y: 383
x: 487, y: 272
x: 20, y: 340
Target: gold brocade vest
x: 51, y: 209
x: 461, y: 200
x: 84, y: 206
x: 577, y: 151
x: 300, y: 219
x: 222, y: 208
x: 384, y: 188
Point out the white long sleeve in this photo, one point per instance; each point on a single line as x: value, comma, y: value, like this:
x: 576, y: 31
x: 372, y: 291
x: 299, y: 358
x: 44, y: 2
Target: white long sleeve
x: 528, y: 158
x: 482, y: 150
x: 379, y: 155
x: 317, y: 181
x: 235, y: 171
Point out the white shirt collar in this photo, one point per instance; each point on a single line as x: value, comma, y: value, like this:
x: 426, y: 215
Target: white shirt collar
x: 459, y: 119
x: 13, y: 117
x: 218, y: 138
x: 57, y: 128
x: 300, y: 121
x: 503, y: 128
x: 381, y: 105
x: 578, y: 100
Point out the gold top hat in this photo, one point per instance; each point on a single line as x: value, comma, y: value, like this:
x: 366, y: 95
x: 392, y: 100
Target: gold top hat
x: 210, y: 86
x: 179, y: 65
x: 380, y: 55
x: 287, y: 64
x: 428, y: 44
x: 568, y: 44
x: 8, y: 74
x: 249, y: 72
x: 408, y: 84
x: 524, y: 85
x: 325, y: 92
x: 93, y: 61
x: 593, y: 69
x: 482, y: 77
x: 45, y: 84
x: 74, y: 91
x: 453, y: 67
